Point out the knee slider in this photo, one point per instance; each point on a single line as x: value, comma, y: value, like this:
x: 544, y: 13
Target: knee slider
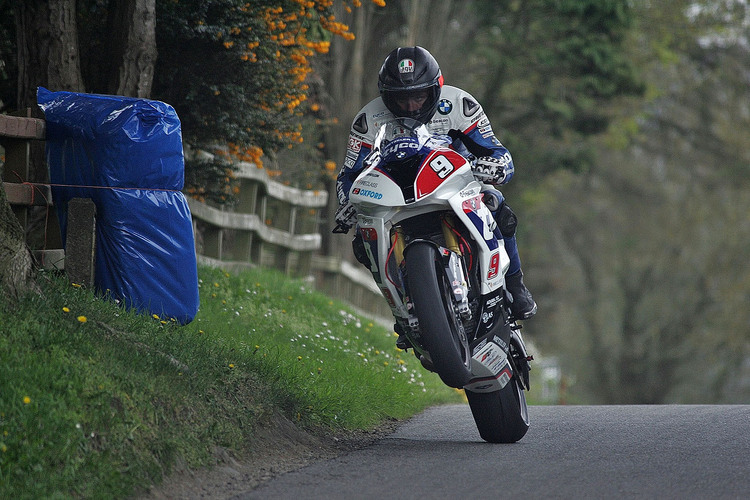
x: 506, y: 221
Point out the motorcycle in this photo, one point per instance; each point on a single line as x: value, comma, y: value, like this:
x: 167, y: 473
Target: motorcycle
x: 434, y: 250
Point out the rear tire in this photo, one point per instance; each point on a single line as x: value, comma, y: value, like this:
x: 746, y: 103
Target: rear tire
x: 501, y: 416
x: 438, y: 325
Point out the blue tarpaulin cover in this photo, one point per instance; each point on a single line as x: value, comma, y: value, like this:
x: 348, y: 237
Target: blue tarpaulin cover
x: 126, y: 155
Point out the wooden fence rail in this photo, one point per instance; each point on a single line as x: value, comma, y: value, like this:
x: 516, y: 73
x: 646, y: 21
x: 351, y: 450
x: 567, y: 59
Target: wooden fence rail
x: 30, y: 202
x: 272, y: 225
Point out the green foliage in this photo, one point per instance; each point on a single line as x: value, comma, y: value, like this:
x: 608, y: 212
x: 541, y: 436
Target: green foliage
x: 235, y: 71
x: 236, y: 74
x: 99, y: 402
x: 641, y: 261
x: 548, y: 71
x: 212, y: 91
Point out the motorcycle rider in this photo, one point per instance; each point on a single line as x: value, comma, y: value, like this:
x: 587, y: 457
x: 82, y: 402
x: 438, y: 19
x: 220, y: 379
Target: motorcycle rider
x: 411, y: 85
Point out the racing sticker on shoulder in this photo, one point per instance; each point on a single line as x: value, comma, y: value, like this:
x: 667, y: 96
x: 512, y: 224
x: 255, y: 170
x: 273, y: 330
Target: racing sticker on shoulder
x: 354, y: 144
x: 445, y: 106
x: 367, y: 193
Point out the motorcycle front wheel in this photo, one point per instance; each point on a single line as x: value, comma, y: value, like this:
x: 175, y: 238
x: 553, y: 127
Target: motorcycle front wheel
x: 431, y: 296
x: 501, y: 416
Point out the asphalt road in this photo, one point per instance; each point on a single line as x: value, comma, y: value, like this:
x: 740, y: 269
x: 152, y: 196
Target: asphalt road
x: 581, y: 452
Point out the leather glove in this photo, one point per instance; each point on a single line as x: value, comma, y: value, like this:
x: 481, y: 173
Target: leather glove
x: 345, y: 217
x: 492, y: 170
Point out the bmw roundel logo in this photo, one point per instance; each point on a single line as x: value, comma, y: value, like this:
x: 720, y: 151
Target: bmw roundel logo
x: 445, y: 106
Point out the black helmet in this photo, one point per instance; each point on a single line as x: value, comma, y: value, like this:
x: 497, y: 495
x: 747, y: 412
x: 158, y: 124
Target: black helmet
x: 408, y: 72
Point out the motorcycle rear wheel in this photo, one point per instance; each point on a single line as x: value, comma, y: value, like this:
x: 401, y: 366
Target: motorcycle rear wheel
x: 438, y: 324
x: 501, y: 416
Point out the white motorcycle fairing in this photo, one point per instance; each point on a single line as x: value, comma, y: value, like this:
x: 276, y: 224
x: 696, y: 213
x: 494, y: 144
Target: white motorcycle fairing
x: 444, y: 181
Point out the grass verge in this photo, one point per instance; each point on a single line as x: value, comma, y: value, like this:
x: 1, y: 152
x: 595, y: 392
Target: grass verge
x: 99, y: 402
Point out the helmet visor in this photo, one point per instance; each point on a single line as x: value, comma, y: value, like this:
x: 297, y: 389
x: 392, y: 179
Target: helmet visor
x: 411, y: 101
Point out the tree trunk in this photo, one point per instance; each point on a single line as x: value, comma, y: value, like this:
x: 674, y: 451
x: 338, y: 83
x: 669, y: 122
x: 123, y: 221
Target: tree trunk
x: 47, y: 48
x: 15, y: 259
x: 132, y: 48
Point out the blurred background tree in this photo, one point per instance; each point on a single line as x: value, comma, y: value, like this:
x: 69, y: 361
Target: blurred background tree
x: 641, y: 262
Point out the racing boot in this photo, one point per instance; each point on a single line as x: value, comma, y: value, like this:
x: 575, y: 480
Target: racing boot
x: 522, y: 305
x: 402, y: 342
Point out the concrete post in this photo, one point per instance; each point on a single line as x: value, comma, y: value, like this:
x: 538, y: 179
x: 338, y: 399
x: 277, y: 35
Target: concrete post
x: 81, y: 241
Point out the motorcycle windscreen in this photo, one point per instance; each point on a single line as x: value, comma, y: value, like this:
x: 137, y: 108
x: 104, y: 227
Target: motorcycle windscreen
x: 125, y: 154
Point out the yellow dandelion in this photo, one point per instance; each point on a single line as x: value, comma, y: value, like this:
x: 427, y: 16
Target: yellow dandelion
x: 66, y: 309
x: 231, y: 365
x: 155, y: 316
x: 82, y: 319
x: 299, y: 358
x: 76, y: 285
x: 385, y: 363
x: 26, y: 400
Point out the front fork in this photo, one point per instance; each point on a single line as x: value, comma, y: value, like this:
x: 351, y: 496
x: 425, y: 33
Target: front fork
x: 455, y: 272
x: 452, y: 264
